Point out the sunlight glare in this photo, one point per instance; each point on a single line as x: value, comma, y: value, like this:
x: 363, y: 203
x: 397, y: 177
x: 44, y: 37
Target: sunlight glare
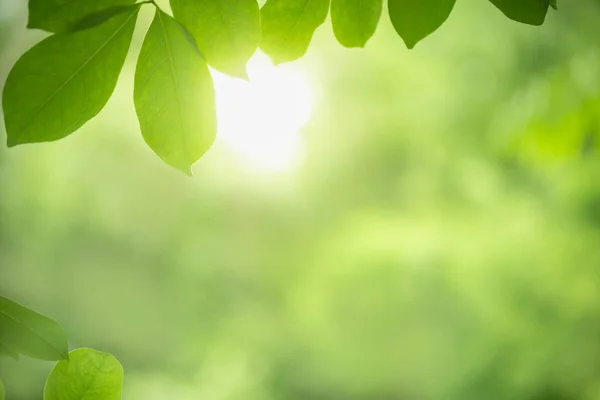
x: 261, y: 119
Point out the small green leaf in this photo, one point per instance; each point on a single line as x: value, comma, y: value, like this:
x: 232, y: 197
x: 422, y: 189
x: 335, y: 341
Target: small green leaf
x: 227, y: 32
x: 532, y: 12
x: 65, y: 80
x: 355, y: 21
x: 2, y: 395
x: 8, y: 352
x: 87, y: 375
x: 174, y: 95
x: 61, y: 15
x: 288, y: 27
x: 27, y: 332
x: 416, y: 19
x: 554, y: 4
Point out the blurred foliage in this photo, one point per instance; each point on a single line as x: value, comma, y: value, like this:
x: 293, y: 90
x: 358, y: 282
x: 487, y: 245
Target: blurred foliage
x: 440, y: 239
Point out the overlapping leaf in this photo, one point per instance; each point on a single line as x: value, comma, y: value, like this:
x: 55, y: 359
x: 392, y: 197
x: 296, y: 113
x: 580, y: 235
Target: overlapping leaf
x: 416, y: 19
x: 65, y: 80
x: 355, y: 21
x: 8, y: 352
x: 227, y: 32
x: 87, y: 375
x: 61, y: 15
x: 288, y: 27
x: 531, y: 12
x: 174, y: 95
x: 27, y: 332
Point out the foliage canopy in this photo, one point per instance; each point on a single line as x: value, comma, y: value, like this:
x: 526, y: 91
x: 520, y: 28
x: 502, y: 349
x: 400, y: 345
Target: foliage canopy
x: 67, y: 78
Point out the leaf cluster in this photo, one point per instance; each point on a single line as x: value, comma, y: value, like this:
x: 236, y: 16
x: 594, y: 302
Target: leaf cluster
x: 67, y: 78
x: 81, y: 373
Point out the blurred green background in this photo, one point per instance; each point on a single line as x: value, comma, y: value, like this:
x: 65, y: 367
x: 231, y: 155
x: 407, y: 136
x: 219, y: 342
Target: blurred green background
x: 439, y: 238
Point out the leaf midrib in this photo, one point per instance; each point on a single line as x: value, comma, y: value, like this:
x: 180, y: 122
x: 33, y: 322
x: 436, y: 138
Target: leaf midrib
x: 174, y: 78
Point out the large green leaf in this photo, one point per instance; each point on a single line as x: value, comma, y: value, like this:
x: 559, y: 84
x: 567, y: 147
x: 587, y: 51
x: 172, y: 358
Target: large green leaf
x: 65, y: 80
x: 288, y: 27
x: 355, y: 21
x: 29, y: 333
x: 61, y: 15
x: 87, y: 375
x: 8, y: 352
x: 227, y: 32
x: 174, y: 95
x: 416, y: 19
x: 531, y: 12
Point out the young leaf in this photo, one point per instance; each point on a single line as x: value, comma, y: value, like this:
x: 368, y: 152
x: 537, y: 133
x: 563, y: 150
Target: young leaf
x: 174, y: 95
x: 355, y: 21
x: 61, y: 15
x: 87, y: 374
x: 65, y: 80
x: 8, y: 352
x: 288, y: 27
x: 532, y: 12
x: 416, y: 19
x: 227, y: 32
x: 29, y: 333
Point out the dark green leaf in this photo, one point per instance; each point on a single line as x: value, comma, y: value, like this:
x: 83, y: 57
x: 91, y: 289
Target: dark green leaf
x: 288, y: 27
x: 29, y: 333
x: 174, y: 95
x: 65, y: 80
x: 8, y: 352
x: 355, y: 21
x: 416, y: 19
x: 98, y: 18
x: 227, y: 32
x: 87, y: 375
x: 62, y: 15
x: 532, y: 12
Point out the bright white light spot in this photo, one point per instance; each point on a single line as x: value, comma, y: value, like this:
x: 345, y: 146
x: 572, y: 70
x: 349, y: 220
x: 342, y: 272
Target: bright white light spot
x: 261, y: 119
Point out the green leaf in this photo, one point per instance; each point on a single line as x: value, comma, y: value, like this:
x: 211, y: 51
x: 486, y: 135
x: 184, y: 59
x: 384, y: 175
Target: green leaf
x: 8, y: 352
x: 227, y: 32
x: 355, y: 21
x: 29, y: 333
x: 87, y: 375
x: 65, y: 80
x: 532, y: 12
x: 288, y: 27
x: 174, y: 95
x: 416, y: 19
x: 554, y: 4
x: 2, y: 395
x: 61, y: 15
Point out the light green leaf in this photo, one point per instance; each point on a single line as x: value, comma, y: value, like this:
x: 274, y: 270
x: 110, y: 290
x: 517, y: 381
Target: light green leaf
x: 61, y: 15
x: 532, y: 12
x: 227, y: 32
x: 355, y: 21
x: 416, y: 19
x: 288, y: 27
x: 174, y: 95
x: 8, y: 352
x: 87, y: 375
x: 65, y: 80
x: 29, y: 333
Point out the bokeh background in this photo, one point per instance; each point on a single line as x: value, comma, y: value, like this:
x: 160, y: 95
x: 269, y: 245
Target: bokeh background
x: 437, y: 235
